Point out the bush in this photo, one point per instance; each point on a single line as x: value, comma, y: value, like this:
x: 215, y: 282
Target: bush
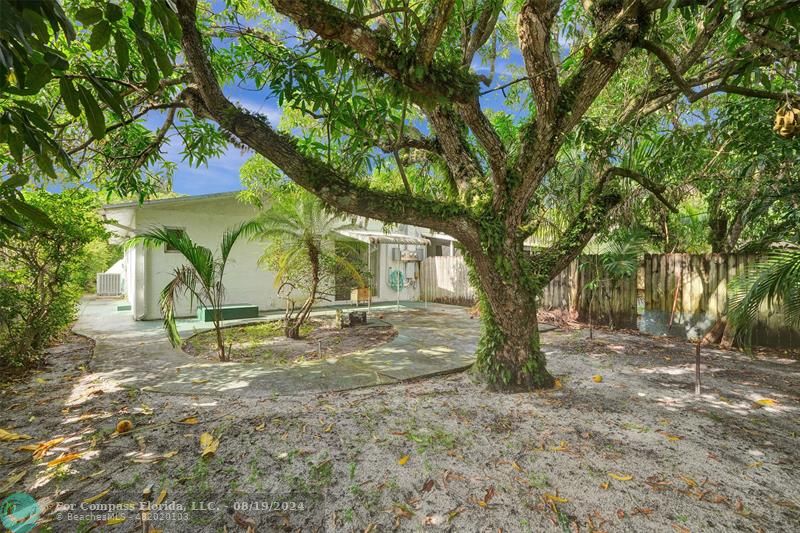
x: 42, y: 273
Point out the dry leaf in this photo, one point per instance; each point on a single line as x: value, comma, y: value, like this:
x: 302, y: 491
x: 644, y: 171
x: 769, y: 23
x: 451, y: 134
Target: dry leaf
x: 620, y: 514
x: 555, y: 498
x: 9, y: 436
x: 562, y: 447
x: 428, y: 486
x: 114, y: 521
x: 620, y: 477
x: 243, y: 521
x: 489, y: 494
x: 97, y: 496
x: 12, y: 480
x: 403, y: 460
x: 191, y: 420
x: 169, y: 454
x: 604, y: 485
x: 63, y: 458
x: 766, y: 402
x: 597, y: 378
x: 208, y: 444
x: 689, y: 481
x: 161, y: 497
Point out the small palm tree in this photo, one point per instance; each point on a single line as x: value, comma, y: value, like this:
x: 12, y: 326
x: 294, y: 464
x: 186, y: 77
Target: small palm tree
x: 298, y: 228
x: 201, y: 278
x: 776, y: 281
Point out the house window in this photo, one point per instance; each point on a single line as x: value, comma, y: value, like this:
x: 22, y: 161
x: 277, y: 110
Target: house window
x: 177, y: 232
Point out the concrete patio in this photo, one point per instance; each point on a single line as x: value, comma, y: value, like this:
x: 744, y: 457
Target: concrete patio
x: 432, y: 339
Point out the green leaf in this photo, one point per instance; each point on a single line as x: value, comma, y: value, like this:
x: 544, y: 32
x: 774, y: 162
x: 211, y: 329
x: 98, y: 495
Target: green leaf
x: 16, y: 145
x: 94, y: 115
x: 113, y: 12
x: 122, y: 51
x: 70, y: 97
x: 34, y: 214
x: 108, y: 96
x: 17, y: 180
x: 100, y: 35
x: 89, y: 15
x: 38, y: 76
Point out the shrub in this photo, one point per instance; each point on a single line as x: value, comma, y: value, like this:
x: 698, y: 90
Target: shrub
x: 42, y: 273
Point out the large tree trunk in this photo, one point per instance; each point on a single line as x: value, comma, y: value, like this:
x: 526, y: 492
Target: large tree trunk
x: 509, y: 355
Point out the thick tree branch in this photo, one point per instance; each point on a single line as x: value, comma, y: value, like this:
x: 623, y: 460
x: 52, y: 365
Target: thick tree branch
x: 483, y: 30
x: 433, y: 30
x: 461, y: 162
x: 491, y: 143
x: 534, y: 28
x: 333, y: 24
x: 207, y: 99
x: 656, y: 189
x: 666, y: 60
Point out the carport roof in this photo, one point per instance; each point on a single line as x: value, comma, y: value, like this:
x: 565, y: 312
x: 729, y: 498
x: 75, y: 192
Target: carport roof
x: 377, y: 237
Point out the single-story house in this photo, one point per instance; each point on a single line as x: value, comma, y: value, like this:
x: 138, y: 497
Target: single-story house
x: 145, y: 271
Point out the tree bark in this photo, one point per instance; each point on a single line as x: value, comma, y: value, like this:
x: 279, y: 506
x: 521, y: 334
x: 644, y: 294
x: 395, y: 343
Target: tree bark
x: 509, y: 355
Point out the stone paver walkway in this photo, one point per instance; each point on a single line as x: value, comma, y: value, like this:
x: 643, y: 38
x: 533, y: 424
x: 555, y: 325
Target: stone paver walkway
x: 432, y: 339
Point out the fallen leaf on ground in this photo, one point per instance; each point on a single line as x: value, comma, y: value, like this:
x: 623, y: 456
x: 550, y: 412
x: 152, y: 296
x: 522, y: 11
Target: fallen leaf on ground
x: 169, y: 454
x: 428, y: 486
x: 63, y: 458
x: 403, y: 460
x: 161, y: 497
x: 114, y: 521
x: 767, y: 402
x: 97, y: 496
x: 620, y: 477
x: 597, y: 378
x: 208, y: 444
x: 670, y: 436
x: 191, y: 420
x: 689, y: 481
x: 243, y: 521
x: 9, y: 436
x: 489, y: 495
x: 604, y: 485
x: 12, y: 480
x: 562, y: 447
x: 620, y: 514
x: 755, y: 464
x: 555, y: 498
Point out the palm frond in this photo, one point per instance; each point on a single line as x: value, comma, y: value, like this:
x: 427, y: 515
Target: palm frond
x: 775, y: 281
x: 184, y: 280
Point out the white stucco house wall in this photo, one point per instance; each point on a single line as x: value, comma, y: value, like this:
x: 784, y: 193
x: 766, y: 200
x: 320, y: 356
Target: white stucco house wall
x: 204, y: 218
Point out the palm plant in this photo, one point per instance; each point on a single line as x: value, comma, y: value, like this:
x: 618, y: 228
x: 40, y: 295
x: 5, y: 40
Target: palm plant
x: 774, y: 281
x: 298, y: 229
x: 201, y: 278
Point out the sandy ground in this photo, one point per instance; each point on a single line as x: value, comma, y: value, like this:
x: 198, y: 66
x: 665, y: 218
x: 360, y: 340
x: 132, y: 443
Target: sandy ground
x: 324, y: 340
x: 634, y: 452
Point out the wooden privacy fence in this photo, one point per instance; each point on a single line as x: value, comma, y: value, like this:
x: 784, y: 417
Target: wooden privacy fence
x: 444, y: 279
x: 683, y: 295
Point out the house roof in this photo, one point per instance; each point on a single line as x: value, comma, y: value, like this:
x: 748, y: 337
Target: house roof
x: 176, y: 200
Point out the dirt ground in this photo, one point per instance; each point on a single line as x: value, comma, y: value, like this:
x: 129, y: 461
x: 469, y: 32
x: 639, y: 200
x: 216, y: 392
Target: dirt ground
x: 636, y: 451
x: 264, y: 342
